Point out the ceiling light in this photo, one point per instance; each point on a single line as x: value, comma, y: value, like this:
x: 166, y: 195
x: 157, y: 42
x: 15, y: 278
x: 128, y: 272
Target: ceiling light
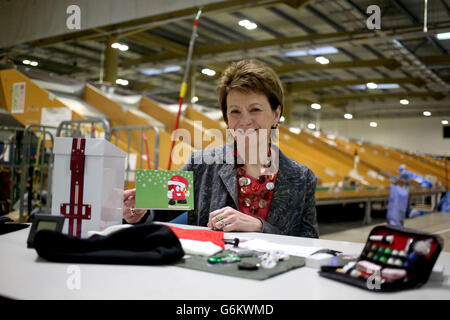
x: 380, y: 86
x: 248, y: 24
x: 443, y: 36
x: 322, y: 60
x: 26, y: 61
x: 251, y: 26
x: 33, y: 63
x: 444, y: 122
x: 208, y: 72
x: 373, y: 124
x: 427, y: 113
x: 348, y: 116
x: 371, y: 85
x: 122, y: 82
x: 120, y: 46
x: 295, y: 130
x: 316, y: 106
x: 243, y: 23
x: 404, y: 101
x: 387, y: 86
x: 322, y: 50
x: 282, y: 119
x: 358, y: 87
x: 153, y: 71
x: 311, y: 126
x: 194, y: 99
x: 295, y: 53
x: 311, y: 51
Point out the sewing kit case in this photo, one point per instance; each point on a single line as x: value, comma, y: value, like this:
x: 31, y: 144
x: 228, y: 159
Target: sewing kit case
x: 393, y: 259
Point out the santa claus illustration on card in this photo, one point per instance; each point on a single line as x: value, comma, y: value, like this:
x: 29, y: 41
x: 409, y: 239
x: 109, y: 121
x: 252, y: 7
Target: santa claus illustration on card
x: 164, y: 189
x: 178, y: 190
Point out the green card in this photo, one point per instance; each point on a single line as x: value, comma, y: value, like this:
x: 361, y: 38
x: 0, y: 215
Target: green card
x: 164, y: 190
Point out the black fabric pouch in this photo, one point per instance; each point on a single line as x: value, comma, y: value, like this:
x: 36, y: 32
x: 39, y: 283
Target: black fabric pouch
x: 149, y: 244
x: 391, y: 251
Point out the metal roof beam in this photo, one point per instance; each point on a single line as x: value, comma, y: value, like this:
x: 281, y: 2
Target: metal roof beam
x: 342, y: 37
x: 391, y: 64
x: 139, y: 25
x: 311, y: 85
x: 415, y: 20
x: 238, y: 46
x: 152, y: 40
x: 285, y: 16
x: 396, y: 95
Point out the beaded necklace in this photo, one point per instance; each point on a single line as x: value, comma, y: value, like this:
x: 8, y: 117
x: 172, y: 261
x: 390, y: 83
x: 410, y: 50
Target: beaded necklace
x: 255, y: 196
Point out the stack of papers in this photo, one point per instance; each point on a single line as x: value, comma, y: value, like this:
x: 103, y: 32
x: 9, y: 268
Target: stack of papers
x: 266, y: 246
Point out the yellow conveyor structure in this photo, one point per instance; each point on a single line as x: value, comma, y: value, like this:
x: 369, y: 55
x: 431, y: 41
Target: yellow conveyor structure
x: 35, y: 98
x: 390, y: 159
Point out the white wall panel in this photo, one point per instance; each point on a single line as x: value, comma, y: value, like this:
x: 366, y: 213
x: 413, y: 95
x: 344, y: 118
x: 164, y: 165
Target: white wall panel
x: 413, y: 134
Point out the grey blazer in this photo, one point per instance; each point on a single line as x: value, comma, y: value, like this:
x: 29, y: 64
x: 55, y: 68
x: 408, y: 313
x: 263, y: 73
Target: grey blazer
x: 292, y: 211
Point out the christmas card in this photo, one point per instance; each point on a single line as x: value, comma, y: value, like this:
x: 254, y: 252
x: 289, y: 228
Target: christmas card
x: 164, y: 190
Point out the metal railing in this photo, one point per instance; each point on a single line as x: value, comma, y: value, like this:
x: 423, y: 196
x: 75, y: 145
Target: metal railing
x: 10, y: 165
x: 129, y: 129
x: 36, y: 171
x: 74, y: 127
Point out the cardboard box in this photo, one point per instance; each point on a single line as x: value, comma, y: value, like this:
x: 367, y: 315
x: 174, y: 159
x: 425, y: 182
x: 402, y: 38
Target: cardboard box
x: 88, y: 180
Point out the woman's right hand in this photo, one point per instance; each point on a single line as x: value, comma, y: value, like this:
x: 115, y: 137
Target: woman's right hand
x: 130, y: 214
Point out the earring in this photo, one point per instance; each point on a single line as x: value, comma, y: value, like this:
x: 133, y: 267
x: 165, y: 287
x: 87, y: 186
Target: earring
x: 274, y: 133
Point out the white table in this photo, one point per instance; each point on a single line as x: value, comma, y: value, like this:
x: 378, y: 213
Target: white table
x: 24, y: 275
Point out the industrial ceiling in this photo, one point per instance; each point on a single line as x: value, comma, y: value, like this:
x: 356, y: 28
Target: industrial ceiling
x: 323, y: 51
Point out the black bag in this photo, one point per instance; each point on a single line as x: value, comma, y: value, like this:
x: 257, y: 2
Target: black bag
x: 393, y: 259
x: 148, y: 244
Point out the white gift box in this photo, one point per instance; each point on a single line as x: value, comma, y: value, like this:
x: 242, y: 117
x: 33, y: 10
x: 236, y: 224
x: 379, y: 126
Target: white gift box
x: 88, y: 180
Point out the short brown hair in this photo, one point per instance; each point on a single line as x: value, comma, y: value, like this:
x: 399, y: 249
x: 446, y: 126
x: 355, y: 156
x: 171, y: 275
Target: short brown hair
x: 250, y: 75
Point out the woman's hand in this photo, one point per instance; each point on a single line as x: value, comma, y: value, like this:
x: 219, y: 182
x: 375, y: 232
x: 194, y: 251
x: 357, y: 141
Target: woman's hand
x: 130, y: 214
x: 228, y: 219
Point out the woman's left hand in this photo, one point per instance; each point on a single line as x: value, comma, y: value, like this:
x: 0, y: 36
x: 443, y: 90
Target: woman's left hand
x: 228, y: 219
x: 130, y: 214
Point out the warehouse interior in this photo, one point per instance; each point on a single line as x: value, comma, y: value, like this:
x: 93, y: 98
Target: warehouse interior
x: 362, y: 79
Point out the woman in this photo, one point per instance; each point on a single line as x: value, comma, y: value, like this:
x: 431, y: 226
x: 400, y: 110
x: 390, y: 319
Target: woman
x: 249, y: 185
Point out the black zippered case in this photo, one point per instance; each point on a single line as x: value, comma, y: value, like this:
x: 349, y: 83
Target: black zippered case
x: 393, y: 259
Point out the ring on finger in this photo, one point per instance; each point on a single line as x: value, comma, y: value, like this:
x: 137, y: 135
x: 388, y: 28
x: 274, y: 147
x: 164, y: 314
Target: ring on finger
x: 133, y: 213
x: 218, y: 218
x: 223, y: 224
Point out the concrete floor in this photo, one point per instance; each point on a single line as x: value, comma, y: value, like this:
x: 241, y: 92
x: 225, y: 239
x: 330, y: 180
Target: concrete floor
x: 434, y: 222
